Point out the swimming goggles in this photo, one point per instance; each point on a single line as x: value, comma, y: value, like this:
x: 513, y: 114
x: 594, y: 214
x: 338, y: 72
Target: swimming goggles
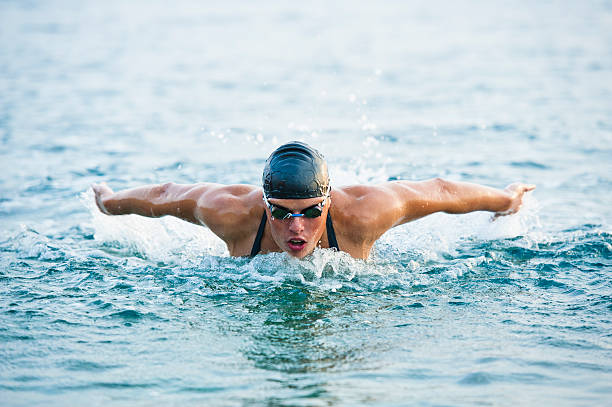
x: 278, y: 212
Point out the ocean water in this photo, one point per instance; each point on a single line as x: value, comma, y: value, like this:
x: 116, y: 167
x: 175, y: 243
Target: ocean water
x: 448, y: 310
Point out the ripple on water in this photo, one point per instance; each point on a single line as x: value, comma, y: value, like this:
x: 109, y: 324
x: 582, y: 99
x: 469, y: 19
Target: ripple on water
x: 546, y: 283
x: 80, y: 365
x: 477, y: 379
x: 128, y: 315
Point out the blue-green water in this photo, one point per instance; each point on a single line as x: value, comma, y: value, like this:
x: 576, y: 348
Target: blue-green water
x: 449, y: 310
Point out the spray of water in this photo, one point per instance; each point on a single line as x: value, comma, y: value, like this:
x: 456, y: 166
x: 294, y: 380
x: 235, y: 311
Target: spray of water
x: 397, y: 259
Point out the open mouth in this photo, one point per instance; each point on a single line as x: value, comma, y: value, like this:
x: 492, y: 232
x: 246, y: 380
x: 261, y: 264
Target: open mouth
x: 296, y: 244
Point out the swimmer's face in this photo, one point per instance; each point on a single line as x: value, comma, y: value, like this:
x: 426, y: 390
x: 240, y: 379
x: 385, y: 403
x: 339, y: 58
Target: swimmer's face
x: 298, y: 236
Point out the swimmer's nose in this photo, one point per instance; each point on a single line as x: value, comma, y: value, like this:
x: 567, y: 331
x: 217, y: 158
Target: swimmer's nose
x: 296, y: 224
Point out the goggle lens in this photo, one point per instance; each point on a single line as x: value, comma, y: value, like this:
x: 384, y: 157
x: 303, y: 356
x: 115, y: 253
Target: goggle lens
x: 312, y: 212
x: 279, y: 213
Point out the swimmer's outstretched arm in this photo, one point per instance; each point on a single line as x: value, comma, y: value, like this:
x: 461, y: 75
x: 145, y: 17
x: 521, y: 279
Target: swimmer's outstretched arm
x: 368, y: 211
x: 438, y: 195
x: 229, y: 211
x: 152, y: 200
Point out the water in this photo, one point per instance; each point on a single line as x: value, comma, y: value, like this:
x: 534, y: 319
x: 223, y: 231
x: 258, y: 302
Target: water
x: 449, y: 310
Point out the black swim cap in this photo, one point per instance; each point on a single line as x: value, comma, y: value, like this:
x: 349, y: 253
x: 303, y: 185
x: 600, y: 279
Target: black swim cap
x: 295, y: 171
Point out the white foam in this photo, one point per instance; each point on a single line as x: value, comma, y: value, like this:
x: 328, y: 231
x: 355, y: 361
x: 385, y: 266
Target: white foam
x: 325, y: 269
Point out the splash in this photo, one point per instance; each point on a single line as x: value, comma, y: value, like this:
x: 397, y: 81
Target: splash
x: 441, y: 233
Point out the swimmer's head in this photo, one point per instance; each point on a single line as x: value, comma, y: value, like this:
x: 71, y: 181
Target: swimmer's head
x: 295, y: 171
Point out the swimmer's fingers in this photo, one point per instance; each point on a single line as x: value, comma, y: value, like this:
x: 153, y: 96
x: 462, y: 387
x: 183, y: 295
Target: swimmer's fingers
x: 519, y: 188
x: 527, y: 187
x: 101, y: 191
x: 516, y: 191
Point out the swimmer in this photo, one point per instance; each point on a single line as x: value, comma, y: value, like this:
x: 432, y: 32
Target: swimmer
x: 297, y: 211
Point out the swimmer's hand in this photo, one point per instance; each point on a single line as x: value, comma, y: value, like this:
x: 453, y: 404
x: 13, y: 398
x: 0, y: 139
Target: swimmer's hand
x: 515, y: 191
x: 102, y: 191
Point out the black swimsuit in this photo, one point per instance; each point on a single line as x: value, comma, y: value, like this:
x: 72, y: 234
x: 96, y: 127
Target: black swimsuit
x: 331, y: 235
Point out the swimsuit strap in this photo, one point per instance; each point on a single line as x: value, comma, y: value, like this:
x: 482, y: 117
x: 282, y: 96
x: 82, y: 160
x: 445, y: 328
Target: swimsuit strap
x: 331, y: 234
x: 257, y: 243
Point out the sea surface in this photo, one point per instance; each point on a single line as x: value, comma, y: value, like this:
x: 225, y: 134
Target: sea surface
x: 447, y: 311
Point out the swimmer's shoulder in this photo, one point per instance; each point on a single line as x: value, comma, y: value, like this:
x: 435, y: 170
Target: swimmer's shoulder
x: 231, y: 209
x: 357, y: 196
x: 352, y: 206
x: 239, y: 198
x: 364, y: 211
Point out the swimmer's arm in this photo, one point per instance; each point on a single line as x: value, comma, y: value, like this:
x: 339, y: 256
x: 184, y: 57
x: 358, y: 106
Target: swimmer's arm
x: 423, y: 198
x: 229, y: 211
x: 153, y: 201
